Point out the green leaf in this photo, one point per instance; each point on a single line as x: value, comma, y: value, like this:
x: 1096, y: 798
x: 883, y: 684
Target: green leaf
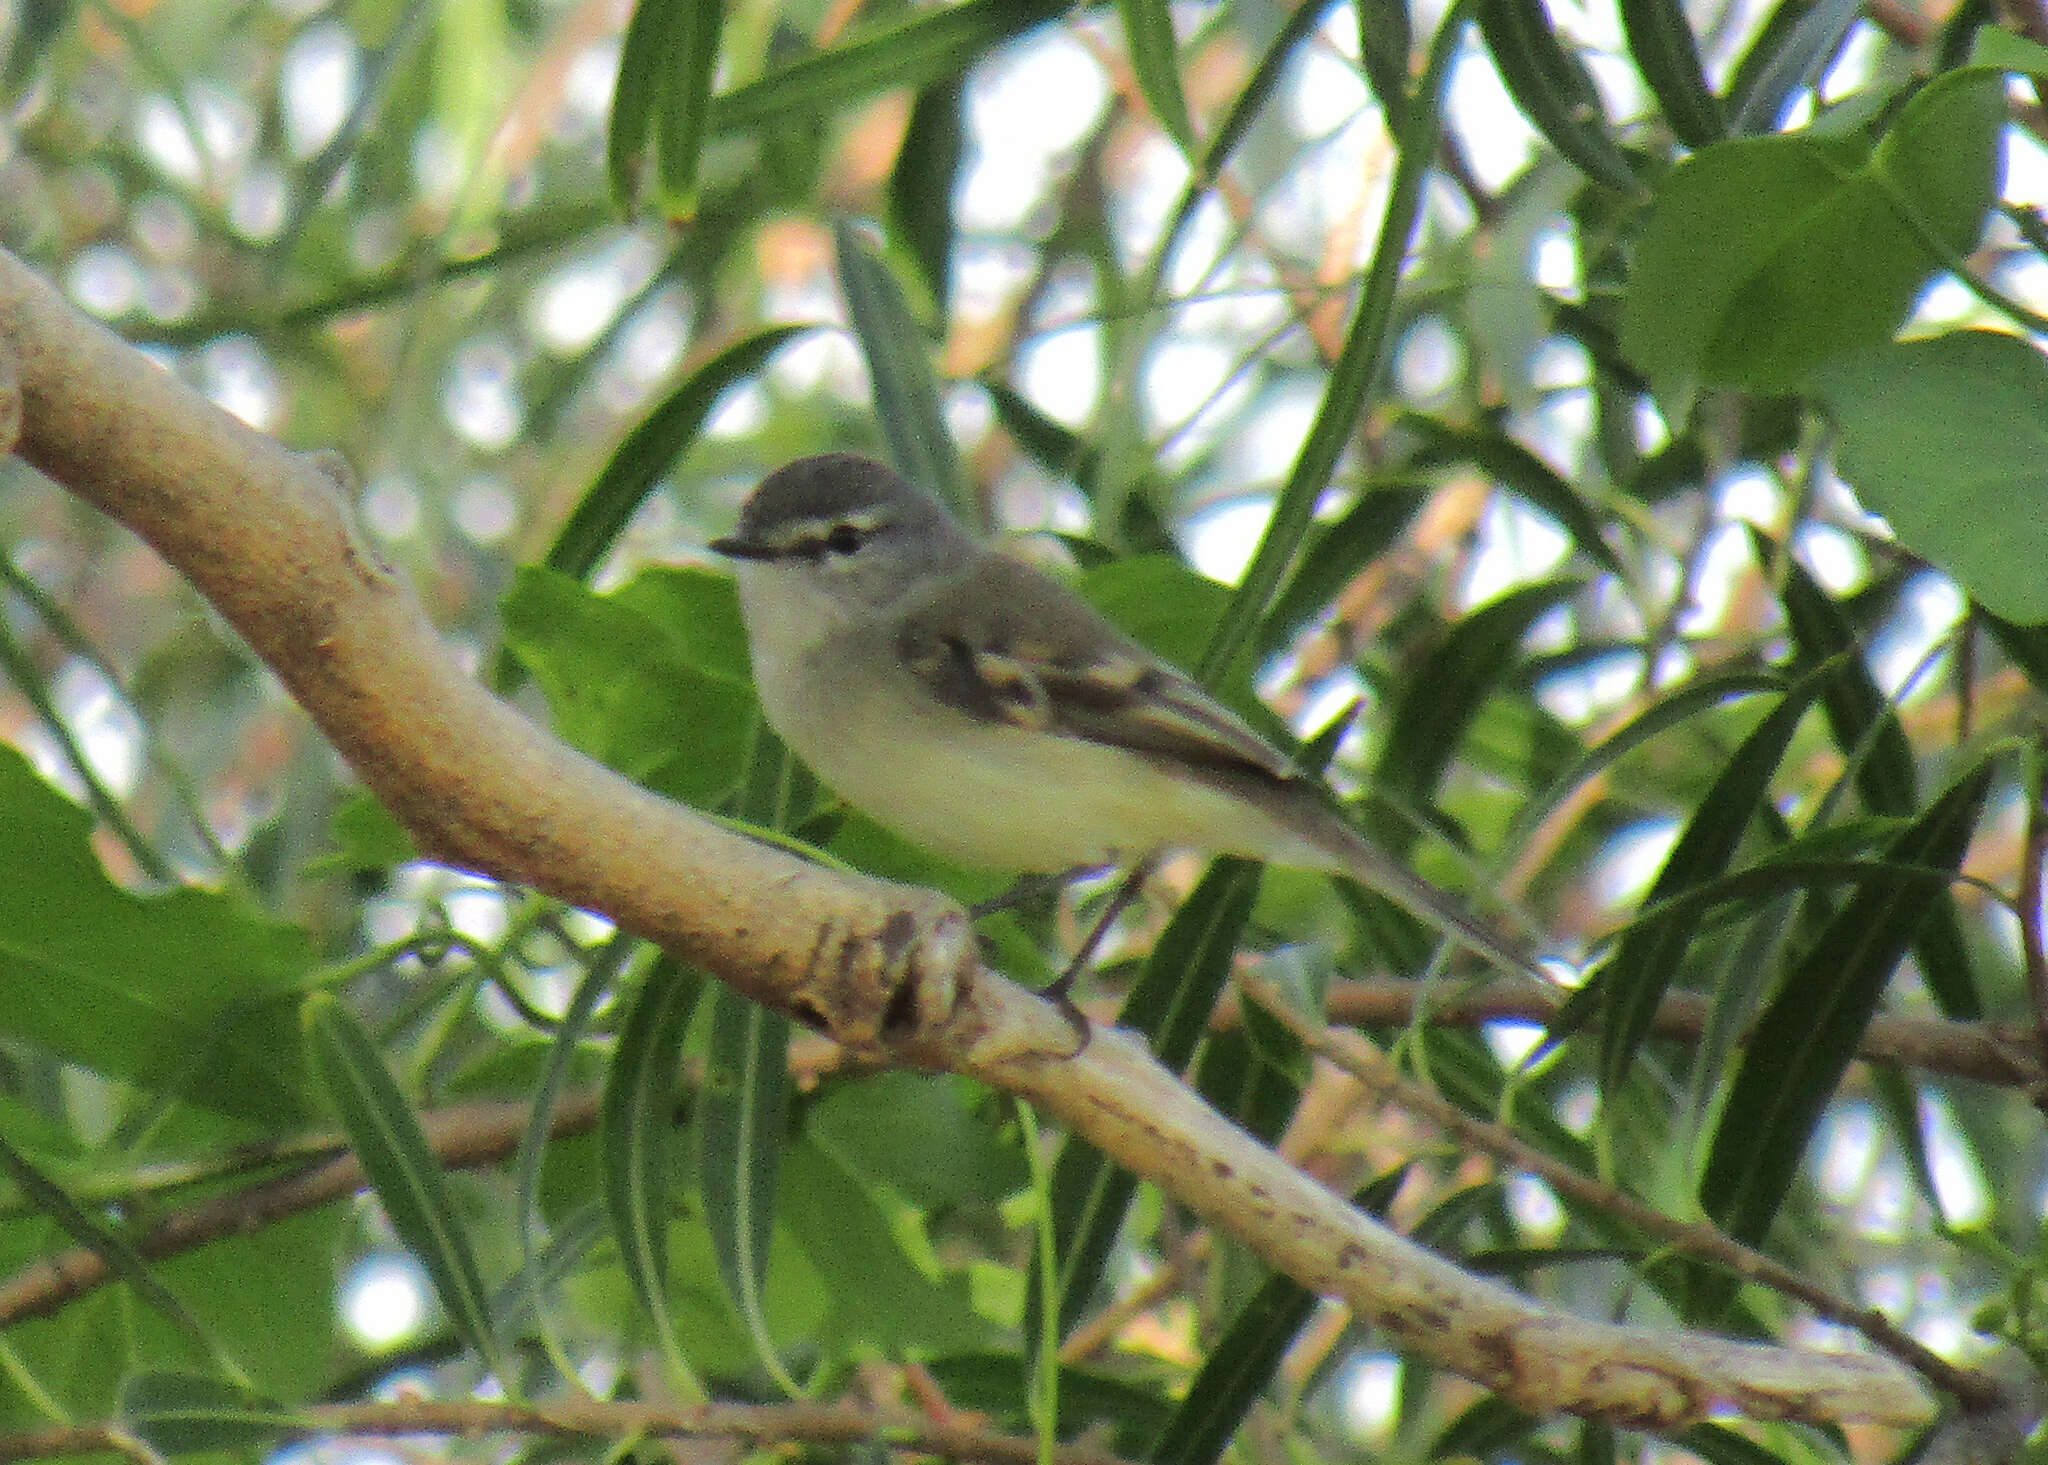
x: 1386, y: 42
x: 635, y: 92
x: 1357, y: 366
x: 742, y: 1117
x: 1634, y: 980
x: 1789, y: 56
x: 1661, y: 41
x: 933, y: 44
x: 184, y: 1414
x: 1334, y: 554
x: 922, y: 1135
x: 1523, y: 473
x: 1948, y: 439
x: 638, y: 1120
x: 1170, y: 1005
x: 921, y: 186
x: 647, y: 452
x: 188, y: 993
x: 681, y: 114
x: 1804, y: 1039
x: 643, y: 679
x: 1245, y: 1358
x: 900, y: 367
x: 402, y: 1168
x: 1553, y: 89
x: 1430, y: 718
x: 1155, y: 62
x: 1763, y: 258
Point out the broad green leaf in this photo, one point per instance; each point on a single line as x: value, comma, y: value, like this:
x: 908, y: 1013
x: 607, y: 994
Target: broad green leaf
x: 1763, y: 258
x: 1661, y: 42
x: 922, y: 183
x: 1804, y: 1039
x: 900, y: 368
x: 652, y: 696
x: 184, y: 1414
x: 1155, y: 62
x: 1553, y: 89
x: 402, y: 1168
x: 1634, y: 980
x: 188, y: 993
x: 639, y: 1105
x: 1356, y: 369
x: 922, y: 1135
x: 1948, y: 439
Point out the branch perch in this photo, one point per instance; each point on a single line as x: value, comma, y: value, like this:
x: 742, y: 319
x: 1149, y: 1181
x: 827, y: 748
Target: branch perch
x: 889, y: 971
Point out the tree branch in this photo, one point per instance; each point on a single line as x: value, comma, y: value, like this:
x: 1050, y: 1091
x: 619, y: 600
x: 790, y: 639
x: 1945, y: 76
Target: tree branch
x: 885, y: 969
x: 751, y: 1426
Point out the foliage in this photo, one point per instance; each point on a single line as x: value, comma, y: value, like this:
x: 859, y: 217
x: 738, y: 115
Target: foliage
x: 1533, y: 373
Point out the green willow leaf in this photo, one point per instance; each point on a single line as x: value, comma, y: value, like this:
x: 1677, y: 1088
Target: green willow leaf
x: 935, y: 43
x: 1634, y: 980
x: 1170, y: 1004
x: 647, y: 452
x: 1552, y: 88
x: 742, y: 1118
x: 682, y: 112
x: 1155, y: 62
x: 402, y: 1168
x: 1242, y: 1364
x: 921, y: 186
x: 1789, y: 56
x: 635, y: 93
x: 1334, y: 554
x: 1523, y: 473
x: 637, y: 1124
x: 186, y: 1414
x: 1661, y: 42
x: 1357, y: 366
x: 900, y: 367
x: 1803, y: 1041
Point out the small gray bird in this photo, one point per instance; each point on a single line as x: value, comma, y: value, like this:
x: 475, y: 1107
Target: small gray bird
x: 987, y: 712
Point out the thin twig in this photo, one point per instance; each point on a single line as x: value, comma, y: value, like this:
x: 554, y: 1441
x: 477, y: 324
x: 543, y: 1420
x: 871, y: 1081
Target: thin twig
x: 751, y: 1426
x: 1366, y: 1063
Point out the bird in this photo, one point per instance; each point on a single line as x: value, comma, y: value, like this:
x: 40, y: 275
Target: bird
x: 985, y: 711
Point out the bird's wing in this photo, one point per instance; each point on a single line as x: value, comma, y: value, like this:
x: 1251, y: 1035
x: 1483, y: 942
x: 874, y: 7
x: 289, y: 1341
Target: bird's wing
x: 1007, y: 644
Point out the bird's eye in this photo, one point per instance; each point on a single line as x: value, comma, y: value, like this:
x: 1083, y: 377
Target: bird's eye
x: 844, y: 539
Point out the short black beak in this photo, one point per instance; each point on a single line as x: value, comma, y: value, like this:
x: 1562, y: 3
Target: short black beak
x: 742, y: 549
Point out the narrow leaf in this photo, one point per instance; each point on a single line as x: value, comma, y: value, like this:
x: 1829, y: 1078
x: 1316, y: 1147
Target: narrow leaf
x: 184, y: 1414
x: 1357, y: 366
x: 1333, y: 556
x: 401, y: 1166
x: 1661, y: 41
x: 634, y: 95
x: 1170, y: 1005
x: 1634, y: 981
x: 742, y: 1116
x: 637, y: 1123
x: 1522, y: 473
x: 1155, y: 62
x: 1242, y: 1364
x: 899, y: 364
x: 1552, y: 88
x: 1805, y: 1038
x: 934, y: 43
x: 922, y: 183
x: 683, y: 111
x: 1789, y: 56
x: 1386, y: 43
x: 647, y: 452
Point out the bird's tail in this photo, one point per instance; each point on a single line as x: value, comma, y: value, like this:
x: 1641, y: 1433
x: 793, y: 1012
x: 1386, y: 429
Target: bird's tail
x: 1349, y: 852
